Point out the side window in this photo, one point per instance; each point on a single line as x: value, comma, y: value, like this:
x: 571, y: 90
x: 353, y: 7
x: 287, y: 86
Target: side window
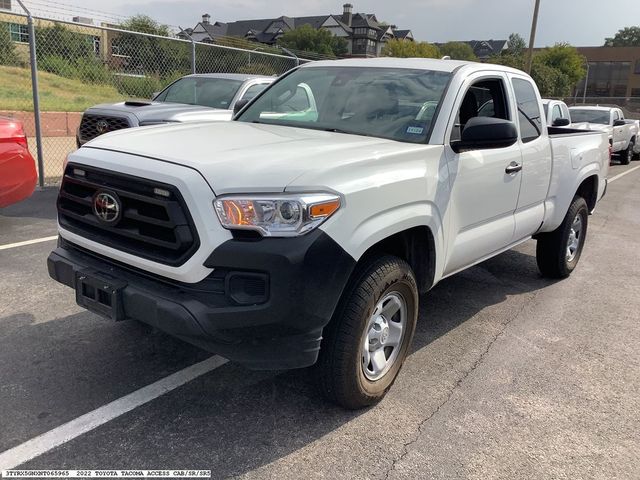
x: 485, y: 98
x: 556, y: 113
x: 253, y: 90
x: 529, y: 115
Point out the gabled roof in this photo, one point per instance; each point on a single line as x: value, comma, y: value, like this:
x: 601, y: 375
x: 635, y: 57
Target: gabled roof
x: 365, y: 20
x: 403, y: 33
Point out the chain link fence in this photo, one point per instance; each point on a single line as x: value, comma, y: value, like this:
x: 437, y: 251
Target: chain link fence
x: 80, y: 65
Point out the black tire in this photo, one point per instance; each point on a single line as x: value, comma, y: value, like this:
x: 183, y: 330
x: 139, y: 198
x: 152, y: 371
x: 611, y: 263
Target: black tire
x: 552, y: 248
x: 627, y: 155
x: 339, y: 372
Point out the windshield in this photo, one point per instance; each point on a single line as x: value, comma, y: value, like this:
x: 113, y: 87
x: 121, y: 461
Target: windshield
x: 208, y: 92
x: 399, y: 104
x: 590, y: 116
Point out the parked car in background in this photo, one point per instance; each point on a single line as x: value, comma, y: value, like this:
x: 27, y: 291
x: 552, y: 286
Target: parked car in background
x: 208, y: 96
x: 17, y: 168
x: 556, y: 112
x: 623, y: 134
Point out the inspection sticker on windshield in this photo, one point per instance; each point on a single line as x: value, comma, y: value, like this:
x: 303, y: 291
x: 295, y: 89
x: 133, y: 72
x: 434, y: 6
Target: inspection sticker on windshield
x: 415, y: 130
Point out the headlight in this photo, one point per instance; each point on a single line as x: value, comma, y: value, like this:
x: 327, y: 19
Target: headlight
x: 276, y: 215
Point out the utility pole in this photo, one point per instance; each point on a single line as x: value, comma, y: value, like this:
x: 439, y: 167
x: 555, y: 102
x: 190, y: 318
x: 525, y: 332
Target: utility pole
x: 532, y: 37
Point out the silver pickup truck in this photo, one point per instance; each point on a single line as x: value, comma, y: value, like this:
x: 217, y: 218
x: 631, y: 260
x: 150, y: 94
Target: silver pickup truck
x: 199, y: 97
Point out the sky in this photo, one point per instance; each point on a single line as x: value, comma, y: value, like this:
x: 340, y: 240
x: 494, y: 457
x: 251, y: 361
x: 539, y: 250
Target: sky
x: 579, y: 22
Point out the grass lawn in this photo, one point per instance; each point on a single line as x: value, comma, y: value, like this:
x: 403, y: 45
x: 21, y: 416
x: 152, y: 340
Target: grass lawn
x: 57, y: 94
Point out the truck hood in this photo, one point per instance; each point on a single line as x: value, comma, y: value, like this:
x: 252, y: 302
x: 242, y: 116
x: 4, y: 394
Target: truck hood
x: 150, y: 111
x: 244, y: 157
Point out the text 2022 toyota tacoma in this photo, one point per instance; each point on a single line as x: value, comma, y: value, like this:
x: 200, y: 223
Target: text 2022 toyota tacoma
x: 303, y: 231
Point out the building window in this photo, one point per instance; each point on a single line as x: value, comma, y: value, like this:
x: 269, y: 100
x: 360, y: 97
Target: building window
x: 5, y: 4
x: 608, y: 79
x: 19, y: 33
x: 115, y: 47
x: 360, y: 31
x: 637, y: 67
x: 96, y: 45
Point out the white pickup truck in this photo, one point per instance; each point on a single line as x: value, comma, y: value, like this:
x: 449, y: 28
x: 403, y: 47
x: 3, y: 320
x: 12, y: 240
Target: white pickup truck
x: 304, y: 232
x: 622, y: 133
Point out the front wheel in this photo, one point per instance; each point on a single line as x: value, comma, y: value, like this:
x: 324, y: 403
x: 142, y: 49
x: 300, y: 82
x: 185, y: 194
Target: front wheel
x: 367, y: 341
x: 558, y: 252
x: 627, y: 155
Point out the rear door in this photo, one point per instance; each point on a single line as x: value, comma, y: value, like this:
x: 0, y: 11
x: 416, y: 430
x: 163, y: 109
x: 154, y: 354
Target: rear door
x: 483, y: 195
x: 536, y: 157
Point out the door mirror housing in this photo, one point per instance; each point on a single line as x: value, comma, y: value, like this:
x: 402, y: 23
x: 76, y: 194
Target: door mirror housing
x: 486, y: 132
x: 561, y: 122
x: 619, y: 123
x: 240, y: 104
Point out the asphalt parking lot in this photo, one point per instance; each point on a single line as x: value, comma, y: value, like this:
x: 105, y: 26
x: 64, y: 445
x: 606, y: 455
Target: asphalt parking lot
x: 511, y: 376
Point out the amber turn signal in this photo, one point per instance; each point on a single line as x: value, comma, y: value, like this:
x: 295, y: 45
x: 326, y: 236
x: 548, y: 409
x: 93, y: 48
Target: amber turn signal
x: 325, y: 209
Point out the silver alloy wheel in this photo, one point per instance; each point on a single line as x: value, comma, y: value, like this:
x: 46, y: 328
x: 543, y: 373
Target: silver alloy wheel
x: 383, y: 336
x: 575, y: 235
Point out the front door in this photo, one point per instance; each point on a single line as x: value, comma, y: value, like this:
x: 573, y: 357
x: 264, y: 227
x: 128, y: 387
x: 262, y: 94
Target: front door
x: 483, y: 195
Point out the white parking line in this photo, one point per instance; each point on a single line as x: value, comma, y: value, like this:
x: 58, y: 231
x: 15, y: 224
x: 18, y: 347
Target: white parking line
x: 87, y: 422
x: 27, y: 242
x: 620, y: 175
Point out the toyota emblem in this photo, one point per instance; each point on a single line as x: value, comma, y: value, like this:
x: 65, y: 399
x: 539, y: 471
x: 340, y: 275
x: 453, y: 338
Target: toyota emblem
x: 106, y: 206
x: 102, y: 126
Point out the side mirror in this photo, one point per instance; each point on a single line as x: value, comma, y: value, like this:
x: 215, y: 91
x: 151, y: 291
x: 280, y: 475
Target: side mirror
x: 486, y: 132
x: 619, y: 123
x: 240, y: 104
x: 561, y: 122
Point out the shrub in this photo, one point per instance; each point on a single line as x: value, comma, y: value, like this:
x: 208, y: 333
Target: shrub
x: 139, y: 87
x: 92, y: 70
x: 57, y: 65
x: 8, y: 55
x: 257, y: 69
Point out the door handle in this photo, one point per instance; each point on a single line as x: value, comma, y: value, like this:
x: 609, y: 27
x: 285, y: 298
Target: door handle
x: 513, y: 167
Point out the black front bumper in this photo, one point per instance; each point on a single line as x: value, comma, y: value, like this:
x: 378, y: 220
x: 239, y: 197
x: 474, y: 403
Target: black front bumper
x: 264, y: 305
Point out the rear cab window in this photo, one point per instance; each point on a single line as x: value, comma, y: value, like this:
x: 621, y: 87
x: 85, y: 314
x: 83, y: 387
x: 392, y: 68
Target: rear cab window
x: 529, y: 115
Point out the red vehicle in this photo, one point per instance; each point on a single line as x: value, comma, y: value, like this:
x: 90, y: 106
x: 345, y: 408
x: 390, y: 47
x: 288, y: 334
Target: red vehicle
x: 17, y: 169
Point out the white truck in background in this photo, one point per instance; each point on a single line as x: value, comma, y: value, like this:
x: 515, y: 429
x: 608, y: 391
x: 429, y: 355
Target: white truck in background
x: 622, y: 133
x: 303, y: 233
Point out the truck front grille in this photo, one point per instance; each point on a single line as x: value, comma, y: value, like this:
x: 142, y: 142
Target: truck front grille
x: 152, y: 219
x: 92, y: 125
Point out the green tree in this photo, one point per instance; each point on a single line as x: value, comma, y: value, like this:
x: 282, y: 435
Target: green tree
x: 59, y: 41
x: 626, y: 37
x: 8, y: 55
x: 551, y: 81
x: 515, y: 45
x: 145, y: 24
x: 458, y: 51
x: 151, y: 55
x: 318, y: 40
x: 406, y: 48
x: 566, y: 59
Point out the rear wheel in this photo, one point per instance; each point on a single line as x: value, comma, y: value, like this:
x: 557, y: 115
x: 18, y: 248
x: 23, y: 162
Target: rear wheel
x: 558, y: 252
x: 367, y: 341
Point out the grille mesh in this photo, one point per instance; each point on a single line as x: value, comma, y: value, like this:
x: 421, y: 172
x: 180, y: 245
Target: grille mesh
x: 94, y: 125
x: 154, y: 227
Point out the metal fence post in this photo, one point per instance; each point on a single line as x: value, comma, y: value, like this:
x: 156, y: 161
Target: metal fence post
x: 193, y: 49
x: 36, y: 94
